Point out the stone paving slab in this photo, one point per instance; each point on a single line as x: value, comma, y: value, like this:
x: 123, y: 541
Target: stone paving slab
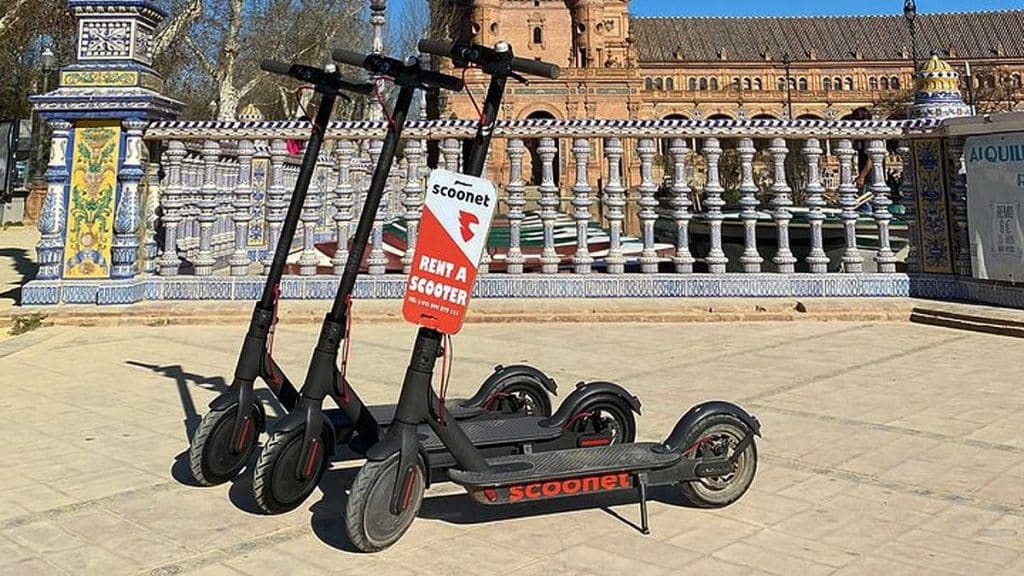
x: 889, y: 448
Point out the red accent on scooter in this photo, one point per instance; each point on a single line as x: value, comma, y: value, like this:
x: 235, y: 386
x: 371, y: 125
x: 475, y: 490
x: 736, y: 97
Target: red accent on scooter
x: 312, y: 458
x: 587, y: 442
x: 491, y: 399
x: 575, y: 418
x: 696, y: 445
x: 245, y: 433
x: 407, y: 490
x: 491, y: 494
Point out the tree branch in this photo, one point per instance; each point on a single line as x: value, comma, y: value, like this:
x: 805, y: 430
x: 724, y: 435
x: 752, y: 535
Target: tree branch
x: 177, y: 26
x: 11, y: 15
x: 204, y: 62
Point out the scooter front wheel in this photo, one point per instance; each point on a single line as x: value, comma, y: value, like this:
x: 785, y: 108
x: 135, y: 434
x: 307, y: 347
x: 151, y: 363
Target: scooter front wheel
x: 278, y: 484
x: 717, y: 436
x: 369, y: 520
x: 213, y: 456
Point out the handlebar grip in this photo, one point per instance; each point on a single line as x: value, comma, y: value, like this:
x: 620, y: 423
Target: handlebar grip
x: 348, y: 57
x: 275, y: 67
x: 442, y: 81
x: 435, y: 47
x: 536, y: 68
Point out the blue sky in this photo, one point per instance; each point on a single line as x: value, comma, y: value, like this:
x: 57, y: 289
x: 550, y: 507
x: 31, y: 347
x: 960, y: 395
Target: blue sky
x: 807, y: 7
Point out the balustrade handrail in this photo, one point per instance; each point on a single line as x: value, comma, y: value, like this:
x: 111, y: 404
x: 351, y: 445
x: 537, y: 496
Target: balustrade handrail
x: 441, y: 129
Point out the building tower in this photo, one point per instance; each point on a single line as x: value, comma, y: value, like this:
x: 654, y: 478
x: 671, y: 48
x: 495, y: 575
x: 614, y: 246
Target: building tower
x: 600, y: 29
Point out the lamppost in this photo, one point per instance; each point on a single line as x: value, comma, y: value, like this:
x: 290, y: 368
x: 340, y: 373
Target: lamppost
x: 910, y: 14
x: 48, y: 64
x: 787, y: 61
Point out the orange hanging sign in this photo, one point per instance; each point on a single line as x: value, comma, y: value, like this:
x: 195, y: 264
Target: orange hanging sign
x: 453, y: 232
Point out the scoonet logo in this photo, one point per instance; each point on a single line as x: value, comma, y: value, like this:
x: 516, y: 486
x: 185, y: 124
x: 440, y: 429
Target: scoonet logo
x: 538, y: 490
x: 466, y: 220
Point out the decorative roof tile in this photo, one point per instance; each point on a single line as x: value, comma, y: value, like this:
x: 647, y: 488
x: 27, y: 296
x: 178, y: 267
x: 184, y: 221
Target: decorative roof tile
x: 887, y: 37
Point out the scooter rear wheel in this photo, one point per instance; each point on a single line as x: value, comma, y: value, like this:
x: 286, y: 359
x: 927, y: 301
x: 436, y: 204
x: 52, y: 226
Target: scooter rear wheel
x: 524, y: 398
x: 606, y: 415
x: 370, y: 524
x: 276, y: 485
x: 718, y: 435
x: 211, y: 457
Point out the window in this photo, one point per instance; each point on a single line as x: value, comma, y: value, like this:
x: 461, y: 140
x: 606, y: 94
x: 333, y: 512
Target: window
x: 714, y: 83
x: 782, y: 84
x: 837, y: 83
x: 757, y: 84
x: 884, y: 83
x: 792, y: 83
x: 658, y: 84
x: 1015, y: 80
x: 894, y: 83
x: 827, y: 84
x: 703, y: 83
x: 692, y: 84
x: 538, y: 35
x: 849, y: 83
x: 873, y: 83
x: 736, y: 84
x: 746, y: 84
x: 670, y: 84
x: 648, y: 84
x: 803, y: 84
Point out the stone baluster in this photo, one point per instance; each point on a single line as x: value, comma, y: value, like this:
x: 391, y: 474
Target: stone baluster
x: 172, y: 208
x: 548, y: 202
x: 204, y: 261
x: 53, y: 217
x: 680, y: 203
x: 751, y: 258
x: 853, y: 262
x: 885, y: 258
x: 582, y: 260
x: 817, y: 260
x: 242, y: 204
x: 191, y: 240
x: 615, y: 202
x: 412, y: 201
x: 377, y: 262
x: 276, y: 203
x: 344, y: 202
x: 310, y: 215
x: 151, y: 205
x: 124, y: 250
x: 957, y: 178
x: 909, y: 199
x: 713, y: 189
x: 784, y: 260
x: 451, y: 149
x: 647, y: 203
x: 516, y: 202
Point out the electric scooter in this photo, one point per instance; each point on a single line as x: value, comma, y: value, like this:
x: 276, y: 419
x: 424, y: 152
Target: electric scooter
x: 597, y: 413
x: 225, y: 440
x: 710, y: 453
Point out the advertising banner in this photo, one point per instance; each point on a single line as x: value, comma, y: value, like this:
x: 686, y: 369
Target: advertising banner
x: 995, y: 197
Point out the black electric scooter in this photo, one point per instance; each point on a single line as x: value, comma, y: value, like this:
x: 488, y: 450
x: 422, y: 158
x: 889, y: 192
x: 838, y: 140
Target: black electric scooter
x: 597, y: 413
x: 710, y: 453
x: 227, y: 436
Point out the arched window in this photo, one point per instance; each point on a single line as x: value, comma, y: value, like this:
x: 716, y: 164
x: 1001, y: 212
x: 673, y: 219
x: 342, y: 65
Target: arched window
x: 692, y: 84
x: 782, y: 84
x: 849, y: 83
x: 792, y: 83
x: 538, y: 35
x: 736, y: 84
x: 648, y: 84
x: 703, y: 83
x: 826, y: 83
x: 1015, y: 80
x: 884, y: 83
x: 803, y: 84
x: 670, y: 84
x: 837, y: 83
x: 873, y: 83
x: 758, y: 85
x: 894, y: 83
x: 746, y: 84
x: 659, y: 84
x: 714, y: 83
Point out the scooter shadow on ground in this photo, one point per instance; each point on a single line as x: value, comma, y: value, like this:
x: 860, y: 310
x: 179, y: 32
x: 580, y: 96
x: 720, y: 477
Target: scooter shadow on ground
x: 183, y: 380
x: 328, y: 521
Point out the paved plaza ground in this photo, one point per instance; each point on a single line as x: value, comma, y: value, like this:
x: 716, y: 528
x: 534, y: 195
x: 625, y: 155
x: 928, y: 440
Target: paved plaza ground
x: 889, y: 448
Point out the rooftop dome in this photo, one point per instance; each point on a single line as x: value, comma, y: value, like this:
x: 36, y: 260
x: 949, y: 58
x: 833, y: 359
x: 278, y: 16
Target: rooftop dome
x: 251, y: 114
x: 937, y: 91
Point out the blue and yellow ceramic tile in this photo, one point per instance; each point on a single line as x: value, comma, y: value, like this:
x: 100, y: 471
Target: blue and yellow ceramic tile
x: 90, y: 228
x: 934, y: 254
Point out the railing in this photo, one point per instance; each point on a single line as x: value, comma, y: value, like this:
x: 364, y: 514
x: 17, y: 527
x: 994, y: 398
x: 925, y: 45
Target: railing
x: 226, y: 186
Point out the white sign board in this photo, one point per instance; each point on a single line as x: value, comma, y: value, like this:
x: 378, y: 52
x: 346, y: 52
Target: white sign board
x: 995, y: 197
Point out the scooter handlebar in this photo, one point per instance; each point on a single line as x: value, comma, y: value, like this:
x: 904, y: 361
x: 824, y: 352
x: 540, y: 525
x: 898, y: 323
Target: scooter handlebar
x: 275, y: 67
x: 349, y: 57
x: 481, y: 56
x: 316, y: 76
x: 441, y: 81
x: 377, y: 64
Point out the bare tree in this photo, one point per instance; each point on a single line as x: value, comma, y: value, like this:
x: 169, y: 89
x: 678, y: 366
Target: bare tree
x: 15, y: 11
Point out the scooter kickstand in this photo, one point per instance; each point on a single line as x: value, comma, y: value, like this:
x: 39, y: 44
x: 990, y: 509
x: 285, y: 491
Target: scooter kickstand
x: 641, y: 480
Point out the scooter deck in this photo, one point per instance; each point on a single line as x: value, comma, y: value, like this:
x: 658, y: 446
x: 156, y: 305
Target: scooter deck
x: 495, y: 432
x: 558, y: 464
x: 384, y: 414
